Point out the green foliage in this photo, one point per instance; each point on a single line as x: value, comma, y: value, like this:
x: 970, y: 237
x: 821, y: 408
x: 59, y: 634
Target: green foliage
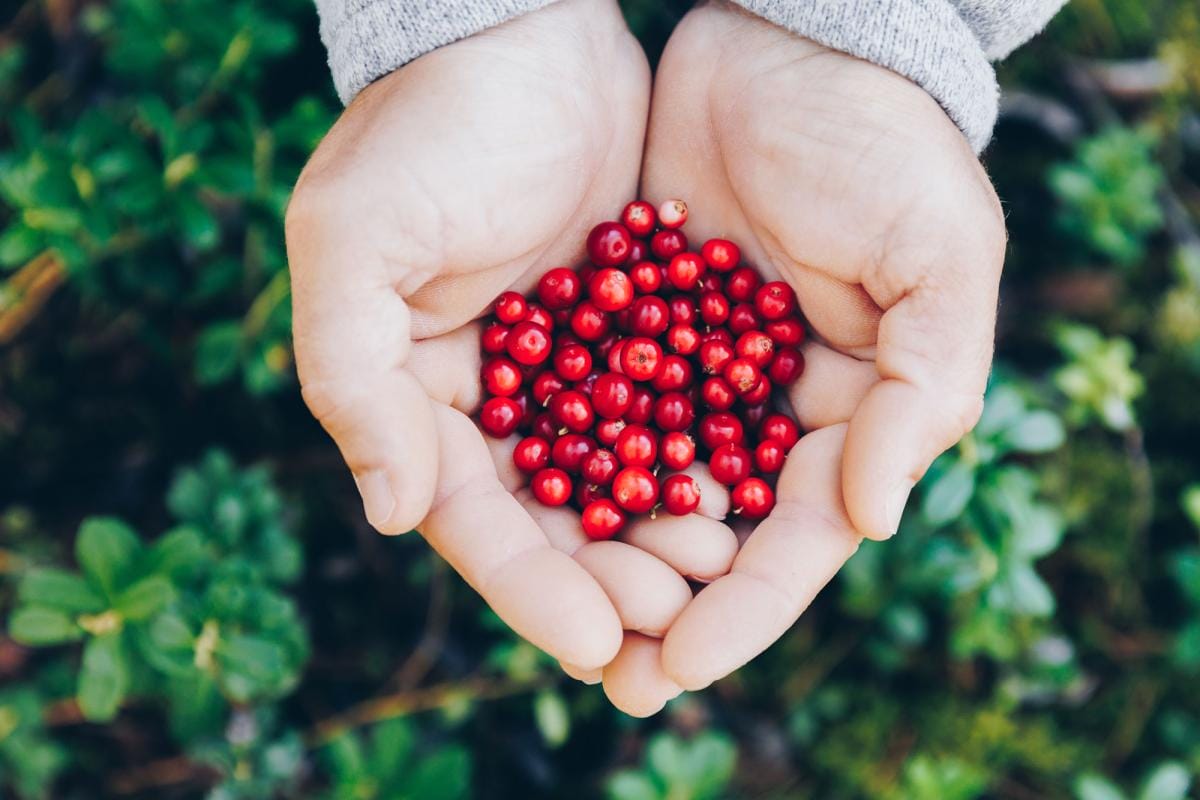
x: 385, y: 765
x: 1167, y: 781
x: 29, y: 758
x: 1099, y: 378
x: 698, y: 769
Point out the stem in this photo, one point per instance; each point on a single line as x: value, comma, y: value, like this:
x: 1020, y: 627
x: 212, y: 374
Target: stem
x: 23, y: 295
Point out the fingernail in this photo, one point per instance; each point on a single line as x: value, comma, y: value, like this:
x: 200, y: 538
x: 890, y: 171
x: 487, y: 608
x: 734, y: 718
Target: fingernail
x: 377, y: 497
x: 896, y: 502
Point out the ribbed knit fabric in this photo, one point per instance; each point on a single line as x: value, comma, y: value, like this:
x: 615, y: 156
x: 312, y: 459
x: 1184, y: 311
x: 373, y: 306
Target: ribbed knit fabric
x: 942, y: 45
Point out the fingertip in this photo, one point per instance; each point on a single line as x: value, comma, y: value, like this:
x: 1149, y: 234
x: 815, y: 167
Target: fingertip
x: 587, y: 676
x: 635, y: 681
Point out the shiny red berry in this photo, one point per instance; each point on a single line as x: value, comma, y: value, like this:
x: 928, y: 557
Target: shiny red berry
x: 672, y: 214
x: 560, y: 288
x: 641, y: 358
x: 528, y: 343
x: 786, y: 332
x: 768, y: 456
x: 602, y: 519
x: 685, y: 270
x: 677, y: 450
x: 608, y: 244
x: 759, y: 395
x: 539, y: 315
x: 551, y: 486
x: 775, y: 300
x: 493, y: 338
x: 741, y: 285
x: 501, y: 377
x: 569, y: 451
x: 714, y: 308
x: 610, y: 289
x: 639, y: 218
x: 743, y: 375
x: 544, y: 386
x: 607, y: 431
x: 500, y: 416
x: 599, y: 467
x: 753, y: 498
x: 743, y: 318
x: 572, y: 410
x: 589, y: 322
x: 649, y: 316
x: 531, y: 454
x: 683, y: 339
x: 718, y: 428
x: 646, y: 277
x: 717, y: 394
x: 572, y: 362
x: 721, y: 255
x: 780, y: 428
x: 510, y: 308
x: 635, y: 489
x: 637, y: 446
x: 665, y: 245
x: 786, y: 366
x: 683, y: 310
x: 730, y: 464
x: 612, y: 395
x: 673, y: 411
x: 755, y: 346
x: 680, y: 495
x: 642, y: 409
x: 715, y: 355
x: 675, y: 375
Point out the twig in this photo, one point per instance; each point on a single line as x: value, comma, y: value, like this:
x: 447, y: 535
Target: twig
x: 437, y: 620
x: 23, y: 295
x: 158, y: 774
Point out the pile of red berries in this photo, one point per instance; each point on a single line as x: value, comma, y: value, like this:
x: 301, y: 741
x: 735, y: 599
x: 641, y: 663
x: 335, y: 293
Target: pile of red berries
x: 617, y: 369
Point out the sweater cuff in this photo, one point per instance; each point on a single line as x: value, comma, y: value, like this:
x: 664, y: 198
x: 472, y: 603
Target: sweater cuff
x: 367, y: 39
x: 926, y: 41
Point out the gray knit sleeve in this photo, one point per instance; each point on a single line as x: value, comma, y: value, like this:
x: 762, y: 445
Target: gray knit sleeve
x: 944, y: 46
x: 367, y: 39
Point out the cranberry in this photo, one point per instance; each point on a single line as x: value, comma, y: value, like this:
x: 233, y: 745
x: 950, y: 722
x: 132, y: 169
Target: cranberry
x: 768, y: 456
x: 642, y: 358
x: 646, y: 277
x: 649, y: 317
x: 528, y: 343
x: 560, y: 288
x: 602, y: 519
x: 545, y: 385
x: 642, y: 408
x: 715, y: 355
x: 674, y: 412
x: 677, y: 450
x: 589, y: 322
x: 531, y: 454
x: 639, y: 249
x: 511, y: 308
x: 755, y: 346
x: 608, y: 244
x: 685, y: 270
x: 672, y: 214
x: 683, y: 339
x: 501, y: 377
x: 775, y: 300
x: 635, y: 489
x: 569, y: 451
x: 543, y: 426
x: 717, y: 394
x: 551, y: 486
x: 610, y: 290
x: 721, y: 255
x: 785, y: 332
x: 759, y: 395
x: 639, y: 218
x: 720, y: 428
x: 680, y: 495
x: 782, y: 429
x: 741, y: 285
x: 675, y: 375
x: 714, y: 308
x: 587, y: 493
x: 718, y: 335
x: 614, y: 356
x: 599, y: 467
x: 572, y: 410
x: 730, y: 464
x: 540, y: 316
x: 752, y: 416
x: 743, y: 318
x: 636, y: 446
x: 529, y: 409
x: 786, y: 366
x: 753, y: 498
x: 743, y: 375
x: 572, y: 362
x: 607, y: 431
x: 711, y: 282
x: 493, y: 338
x: 665, y: 245
x: 683, y: 310
x: 500, y: 416
x: 612, y: 395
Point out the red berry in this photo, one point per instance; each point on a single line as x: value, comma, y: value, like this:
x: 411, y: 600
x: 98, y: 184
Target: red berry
x: 587, y: 493
x: 675, y: 375
x: 560, y: 288
x: 635, y: 489
x: 642, y: 408
x: 718, y: 335
x: 569, y: 451
x: 680, y: 495
x: 531, y: 454
x: 753, y: 498
x: 743, y: 375
x: 759, y: 394
x: 545, y: 385
x: 511, y: 308
x: 714, y: 308
x: 599, y: 467
x: 672, y: 214
x: 720, y: 428
x: 665, y: 245
x: 741, y: 284
x: 646, y: 277
x: 775, y: 300
x: 572, y: 410
x: 743, y: 318
x: 782, y: 429
x: 785, y: 332
x: 610, y: 289
x: 721, y: 254
x: 674, y: 412
x: 540, y: 316
x: 715, y: 355
x: 683, y: 310
x: 636, y: 446
x: 551, y: 486
x: 602, y: 519
x: 529, y: 409
x: 683, y: 339
x: 501, y: 377
x: 543, y: 426
x: 500, y: 416
x: 493, y: 338
x: 614, y: 356
x: 608, y: 244
x: 730, y: 464
x: 649, y: 317
x: 639, y: 218
x: 641, y: 358
x: 607, y: 431
x: 572, y: 362
x: 768, y: 456
x: 717, y: 394
x: 753, y: 416
x: 639, y: 250
x: 786, y: 366
x: 755, y: 346
x: 677, y: 450
x: 612, y: 395
x: 711, y: 282
x: 590, y: 323
x: 528, y: 343
x: 685, y: 270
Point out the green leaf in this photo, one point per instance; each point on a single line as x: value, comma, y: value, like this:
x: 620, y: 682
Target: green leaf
x: 106, y: 549
x: 59, y: 589
x: 104, y: 678
x: 1169, y: 781
x: 177, y: 553
x: 199, y: 225
x: 218, y: 352
x: 169, y: 631
x: 392, y: 744
x: 445, y: 775
x: 1191, y: 504
x: 630, y: 785
x: 18, y: 243
x: 37, y: 626
x: 1036, y: 432
x: 196, y: 706
x: 144, y: 598
x: 553, y: 718
x: 949, y: 494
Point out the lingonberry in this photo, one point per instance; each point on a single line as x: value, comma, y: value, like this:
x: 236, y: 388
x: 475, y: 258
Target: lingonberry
x: 599, y: 467
x: 589, y: 322
x: 759, y: 394
x: 641, y: 358
x: 672, y: 213
x: 614, y: 356
x: 602, y: 519
x: 572, y: 410
x: 753, y: 498
x: 586, y: 493
x: 685, y: 270
x: 607, y: 431
x: 493, y: 338
x: 635, y: 489
x: 646, y: 277
x: 538, y: 315
x: 683, y: 310
x: 675, y: 375
x: 743, y: 375
x: 501, y: 377
x: 752, y: 416
x: 665, y: 245
x: 683, y: 339
x: 612, y: 395
x: 560, y: 288
x: 587, y: 383
x: 544, y: 426
x: 741, y: 285
x: 677, y: 450
x: 786, y: 366
x: 785, y: 332
x: 639, y: 218
x: 569, y: 451
x: 717, y: 394
x: 528, y: 343
x: 730, y: 464
x: 714, y: 308
x: 529, y: 409
x: 715, y: 355
x: 610, y: 289
x: 719, y: 335
x: 500, y: 416
x: 636, y: 446
x: 721, y: 255
x: 775, y: 300
x: 718, y: 428
x: 544, y: 385
x: 680, y: 495
x: 639, y: 249
x: 642, y: 408
x: 649, y: 316
x: 531, y: 454
x: 572, y: 362
x: 755, y: 346
x: 742, y: 319
x: 608, y: 244
x: 780, y: 428
x: 551, y: 486
x: 711, y: 282
x: 673, y: 411
x: 768, y: 456
x: 511, y: 308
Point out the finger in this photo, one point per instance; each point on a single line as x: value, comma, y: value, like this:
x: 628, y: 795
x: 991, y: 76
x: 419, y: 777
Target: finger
x: 351, y: 331
x: 501, y: 451
x: 498, y: 549
x: 714, y: 496
x: 562, y: 525
x: 697, y: 547
x: 589, y: 676
x: 448, y: 366
x: 647, y: 594
x: 792, y: 554
x: 635, y: 682
x: 830, y: 388
x: 934, y: 353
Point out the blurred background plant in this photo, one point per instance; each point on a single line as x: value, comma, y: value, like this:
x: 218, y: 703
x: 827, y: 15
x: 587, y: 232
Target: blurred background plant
x: 194, y: 607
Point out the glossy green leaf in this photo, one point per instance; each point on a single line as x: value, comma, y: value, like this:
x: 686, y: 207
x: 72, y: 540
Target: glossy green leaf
x: 103, y: 678
x: 58, y: 589
x: 38, y: 625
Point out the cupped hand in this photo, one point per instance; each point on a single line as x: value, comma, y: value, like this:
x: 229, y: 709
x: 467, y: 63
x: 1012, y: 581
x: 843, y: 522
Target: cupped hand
x: 852, y: 184
x: 472, y: 170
